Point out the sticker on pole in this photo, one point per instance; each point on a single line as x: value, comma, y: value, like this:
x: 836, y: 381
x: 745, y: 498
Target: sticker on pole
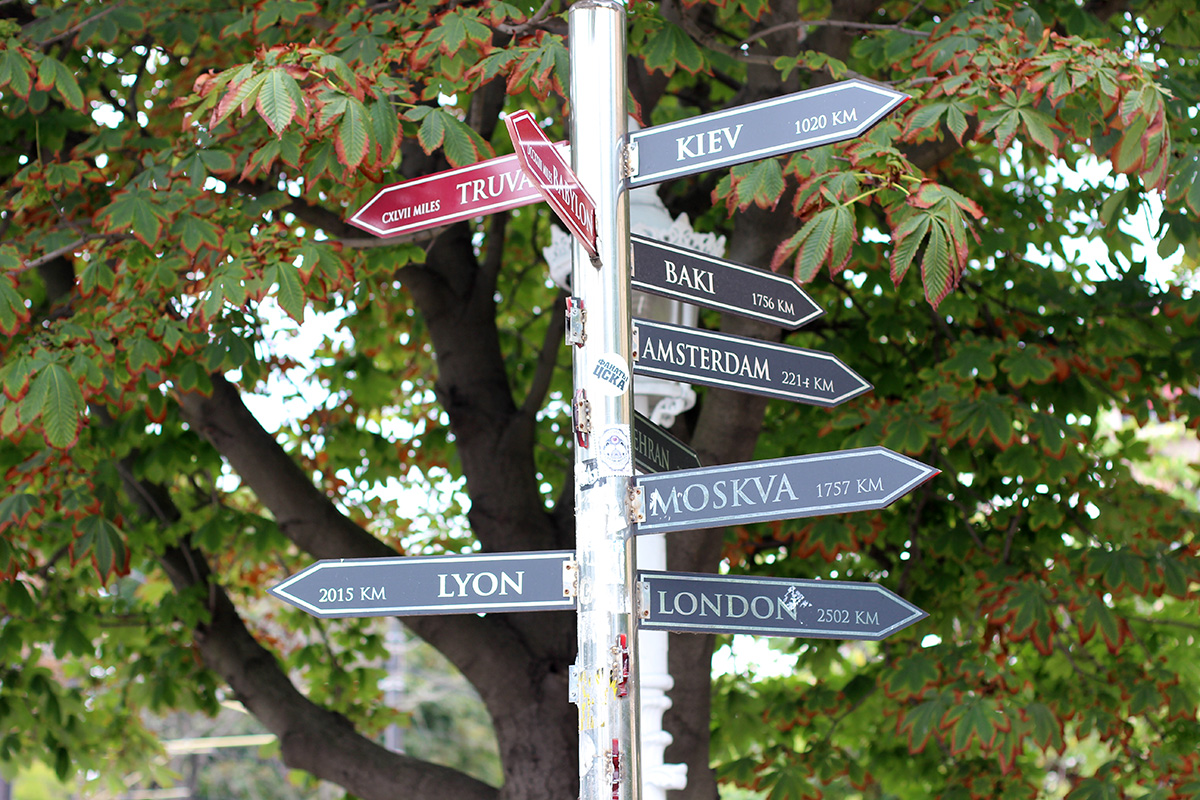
x: 612, y: 374
x: 616, y: 452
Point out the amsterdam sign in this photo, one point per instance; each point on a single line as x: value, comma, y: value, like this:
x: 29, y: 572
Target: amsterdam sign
x: 711, y: 358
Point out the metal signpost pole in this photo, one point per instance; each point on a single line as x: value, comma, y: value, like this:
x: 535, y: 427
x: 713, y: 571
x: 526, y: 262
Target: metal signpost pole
x: 606, y: 667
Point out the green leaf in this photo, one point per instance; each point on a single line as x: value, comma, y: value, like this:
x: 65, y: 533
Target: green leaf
x: 456, y: 30
x: 136, y: 210
x: 15, y: 375
x: 1028, y: 363
x: 13, y: 312
x: 906, y: 243
x: 791, y: 782
x: 15, y: 70
x: 827, y: 238
x: 331, y: 63
x: 458, y: 143
x: 972, y: 360
x: 828, y: 536
x: 433, y: 129
x: 921, y: 721
x: 1185, y: 186
x: 910, y: 433
x: 1031, y: 616
x: 62, y: 404
x: 194, y: 232
x: 102, y: 541
x: 351, y: 137
x: 670, y: 47
x: 54, y: 73
x: 15, y: 508
x: 144, y: 353
x: 217, y: 160
x: 242, y: 93
x: 1121, y: 569
x: 988, y: 413
x: 278, y: 99
x: 1046, y: 728
x: 291, y: 293
x: 1095, y: 789
x: 911, y: 676
x: 977, y: 719
x: 385, y: 130
x: 761, y: 183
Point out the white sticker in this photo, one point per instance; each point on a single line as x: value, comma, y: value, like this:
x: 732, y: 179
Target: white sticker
x: 587, y: 753
x: 611, y: 374
x: 616, y: 456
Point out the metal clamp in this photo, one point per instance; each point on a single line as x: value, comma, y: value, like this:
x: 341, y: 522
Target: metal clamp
x: 636, y: 338
x: 581, y: 418
x: 613, y: 769
x: 635, y: 503
x: 576, y: 317
x: 629, y: 159
x: 620, y: 665
x: 643, y: 599
x: 573, y: 683
x: 570, y: 578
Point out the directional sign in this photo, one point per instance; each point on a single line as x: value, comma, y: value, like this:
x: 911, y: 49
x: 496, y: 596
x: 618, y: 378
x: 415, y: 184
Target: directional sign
x: 691, y: 603
x: 656, y: 450
x: 772, y: 127
x: 553, y: 176
x: 695, y: 277
x: 497, y: 184
x: 780, y: 488
x: 419, y: 585
x: 711, y: 358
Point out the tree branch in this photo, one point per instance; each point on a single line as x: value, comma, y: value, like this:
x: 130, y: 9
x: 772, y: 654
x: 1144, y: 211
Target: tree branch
x: 547, y: 361
x: 311, y: 737
x: 802, y: 25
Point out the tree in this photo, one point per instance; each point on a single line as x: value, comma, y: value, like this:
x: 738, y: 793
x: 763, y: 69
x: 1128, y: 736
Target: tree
x: 173, y: 169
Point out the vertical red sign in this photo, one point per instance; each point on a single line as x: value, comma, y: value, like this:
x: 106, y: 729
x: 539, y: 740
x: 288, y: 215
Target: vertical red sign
x: 552, y: 175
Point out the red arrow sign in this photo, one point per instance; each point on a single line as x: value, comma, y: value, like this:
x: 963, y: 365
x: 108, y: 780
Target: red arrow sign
x: 543, y: 163
x: 497, y: 184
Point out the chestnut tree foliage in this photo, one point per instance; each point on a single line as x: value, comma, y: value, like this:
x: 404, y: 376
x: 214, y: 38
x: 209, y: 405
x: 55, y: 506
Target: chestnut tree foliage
x: 176, y: 179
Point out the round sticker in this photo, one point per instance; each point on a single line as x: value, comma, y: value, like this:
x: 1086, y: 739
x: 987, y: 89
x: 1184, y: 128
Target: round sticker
x: 616, y: 457
x: 612, y: 374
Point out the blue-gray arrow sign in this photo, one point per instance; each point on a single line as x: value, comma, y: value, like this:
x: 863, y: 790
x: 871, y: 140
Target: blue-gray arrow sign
x: 656, y: 450
x: 420, y: 585
x: 698, y: 278
x: 814, y: 485
x: 692, y: 603
x: 772, y: 127
x: 749, y: 365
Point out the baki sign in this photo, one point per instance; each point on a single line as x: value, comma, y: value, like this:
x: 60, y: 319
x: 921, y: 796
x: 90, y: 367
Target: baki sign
x: 695, y: 277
